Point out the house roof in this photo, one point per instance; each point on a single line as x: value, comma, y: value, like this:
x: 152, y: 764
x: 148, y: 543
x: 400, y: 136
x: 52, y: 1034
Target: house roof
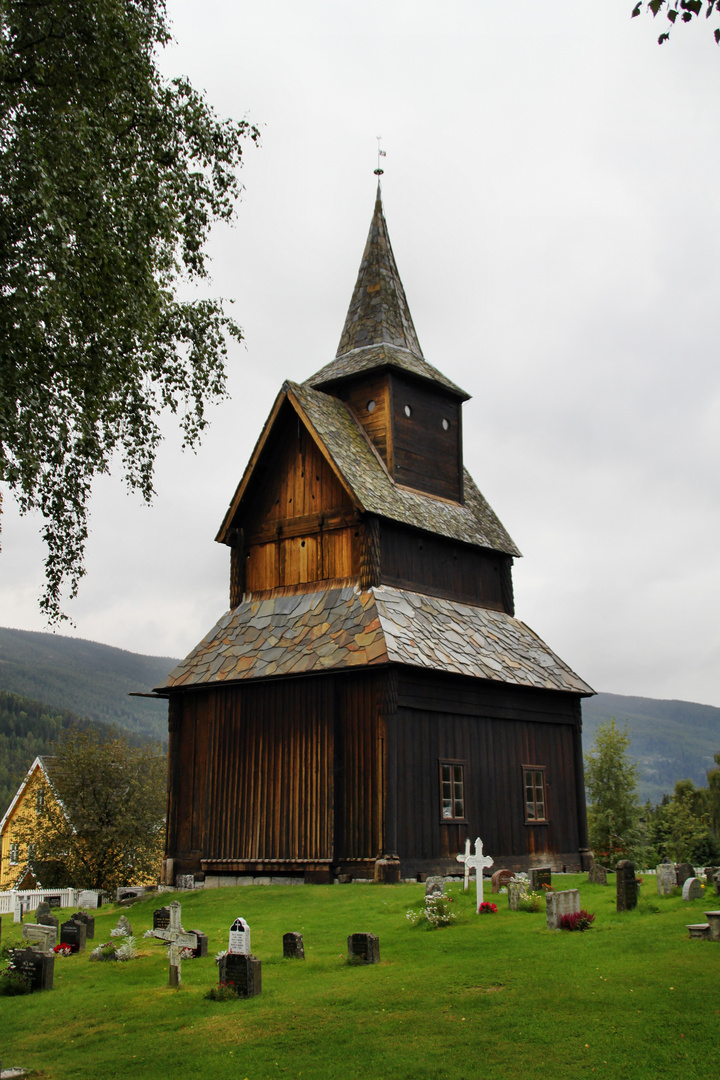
x: 363, y: 473
x: 40, y: 764
x: 379, y: 330
x: 342, y: 627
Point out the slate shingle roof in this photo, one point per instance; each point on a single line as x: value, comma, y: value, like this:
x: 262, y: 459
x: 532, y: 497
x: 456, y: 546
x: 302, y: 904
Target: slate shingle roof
x: 472, y: 522
x: 342, y: 627
x: 379, y: 330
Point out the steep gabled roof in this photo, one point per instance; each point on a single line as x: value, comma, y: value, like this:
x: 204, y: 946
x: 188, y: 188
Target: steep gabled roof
x: 39, y: 765
x: 379, y: 331
x: 342, y: 627
x: 359, y: 468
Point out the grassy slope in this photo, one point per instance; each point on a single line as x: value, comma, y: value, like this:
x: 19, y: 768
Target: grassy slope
x: 91, y: 680
x: 496, y: 995
x: 671, y: 739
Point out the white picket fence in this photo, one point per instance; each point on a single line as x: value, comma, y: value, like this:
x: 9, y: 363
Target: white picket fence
x: 32, y: 897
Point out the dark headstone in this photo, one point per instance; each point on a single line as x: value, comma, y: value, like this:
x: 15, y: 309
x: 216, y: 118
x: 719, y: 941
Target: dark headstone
x: 500, y: 879
x: 161, y: 918
x: 202, y: 943
x: 48, y: 920
x: 293, y: 948
x: 710, y: 872
x: 54, y: 901
x: 539, y: 876
x: 684, y: 871
x: 73, y: 934
x: 37, y: 967
x: 597, y: 875
x: 364, y: 947
x: 717, y: 883
x: 88, y: 921
x: 626, y: 885
x: 243, y: 972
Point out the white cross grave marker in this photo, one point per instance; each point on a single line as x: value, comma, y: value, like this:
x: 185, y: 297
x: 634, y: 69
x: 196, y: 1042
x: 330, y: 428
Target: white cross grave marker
x: 178, y: 940
x: 478, y: 861
x: 463, y: 859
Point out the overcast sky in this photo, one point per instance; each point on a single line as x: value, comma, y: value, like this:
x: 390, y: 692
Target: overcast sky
x: 551, y: 191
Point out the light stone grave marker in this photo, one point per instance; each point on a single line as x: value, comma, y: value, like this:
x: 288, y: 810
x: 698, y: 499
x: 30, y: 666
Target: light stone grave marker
x: 39, y: 936
x: 666, y: 879
x: 597, y: 875
x: 89, y: 898
x: 684, y: 871
x: 239, y: 938
x: 178, y: 940
x: 565, y: 902
x: 434, y: 886
x: 478, y: 862
x: 713, y: 918
x: 692, y: 889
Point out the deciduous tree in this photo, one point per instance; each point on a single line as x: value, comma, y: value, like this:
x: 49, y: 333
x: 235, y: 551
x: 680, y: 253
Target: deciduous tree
x: 110, y: 180
x: 611, y: 781
x: 102, y: 825
x: 679, y: 11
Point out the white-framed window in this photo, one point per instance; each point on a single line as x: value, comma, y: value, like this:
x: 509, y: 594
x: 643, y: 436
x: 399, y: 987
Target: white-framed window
x: 452, y: 791
x: 14, y: 853
x: 40, y: 800
x: 535, y: 793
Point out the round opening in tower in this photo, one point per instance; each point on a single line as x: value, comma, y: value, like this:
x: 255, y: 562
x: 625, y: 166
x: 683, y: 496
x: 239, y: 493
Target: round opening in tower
x: 408, y: 410
x: 371, y: 406
x: 446, y: 424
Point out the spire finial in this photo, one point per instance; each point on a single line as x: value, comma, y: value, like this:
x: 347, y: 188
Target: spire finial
x: 381, y: 153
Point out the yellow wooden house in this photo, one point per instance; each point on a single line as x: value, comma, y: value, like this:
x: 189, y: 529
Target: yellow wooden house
x: 30, y: 800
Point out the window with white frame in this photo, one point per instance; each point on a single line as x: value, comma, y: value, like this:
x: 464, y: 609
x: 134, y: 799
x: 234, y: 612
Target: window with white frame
x: 14, y: 853
x: 535, y: 793
x: 452, y: 791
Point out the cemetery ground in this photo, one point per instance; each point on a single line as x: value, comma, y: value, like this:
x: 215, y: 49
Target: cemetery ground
x: 490, y: 994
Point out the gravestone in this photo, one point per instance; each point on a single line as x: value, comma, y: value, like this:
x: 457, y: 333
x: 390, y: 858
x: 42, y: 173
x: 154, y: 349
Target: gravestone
x: 73, y: 934
x: 293, y: 947
x: 201, y: 949
x: 123, y: 925
x: 185, y: 881
x: 17, y: 910
x: 244, y: 972
x: 461, y: 857
x: 666, y: 879
x: 88, y: 921
x: 37, y: 967
x: 500, y: 879
x: 626, y: 885
x: 89, y: 898
x: 698, y: 930
x: 54, y: 901
x: 516, y: 892
x: 597, y: 875
x: 684, y: 871
x: 713, y: 918
x: 129, y: 892
x: 39, y: 937
x: 539, y: 876
x: 161, y: 918
x: 364, y: 947
x: 692, y: 889
x: 239, y: 938
x: 434, y: 886
x: 710, y: 872
x: 717, y: 883
x: 564, y: 902
x: 44, y: 917
x: 478, y: 862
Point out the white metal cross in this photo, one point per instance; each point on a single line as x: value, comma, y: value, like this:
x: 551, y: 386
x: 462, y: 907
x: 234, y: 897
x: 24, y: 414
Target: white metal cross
x: 478, y: 861
x: 178, y: 939
x: 463, y: 859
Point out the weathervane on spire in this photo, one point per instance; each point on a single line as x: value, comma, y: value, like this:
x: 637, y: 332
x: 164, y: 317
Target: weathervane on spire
x: 381, y: 153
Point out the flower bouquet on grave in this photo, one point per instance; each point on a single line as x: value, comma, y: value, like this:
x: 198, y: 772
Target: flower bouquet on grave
x: 437, y: 913
x: 487, y: 908
x: 115, y: 950
x: 13, y: 983
x: 62, y: 950
x: 224, y: 991
x: 577, y: 920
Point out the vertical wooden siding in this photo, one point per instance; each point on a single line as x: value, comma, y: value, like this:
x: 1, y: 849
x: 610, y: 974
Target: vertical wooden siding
x: 425, y: 456
x: 376, y: 423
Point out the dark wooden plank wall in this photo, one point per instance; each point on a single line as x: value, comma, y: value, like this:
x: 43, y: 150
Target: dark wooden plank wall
x: 257, y: 768
x: 357, y: 395
x: 428, y: 564
x: 425, y: 456
x: 495, y: 732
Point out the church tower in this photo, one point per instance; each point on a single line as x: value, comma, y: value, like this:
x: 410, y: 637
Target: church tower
x: 370, y: 701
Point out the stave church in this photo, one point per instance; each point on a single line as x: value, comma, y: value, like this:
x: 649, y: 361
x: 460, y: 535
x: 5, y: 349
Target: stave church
x: 370, y: 700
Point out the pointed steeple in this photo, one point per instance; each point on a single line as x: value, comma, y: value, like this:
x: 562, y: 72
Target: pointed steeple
x: 378, y: 312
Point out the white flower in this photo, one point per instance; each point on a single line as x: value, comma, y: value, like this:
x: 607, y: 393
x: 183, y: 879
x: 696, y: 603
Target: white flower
x: 149, y: 933
x: 219, y: 956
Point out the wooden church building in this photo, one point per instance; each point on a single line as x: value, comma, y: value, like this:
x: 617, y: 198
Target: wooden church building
x: 370, y: 699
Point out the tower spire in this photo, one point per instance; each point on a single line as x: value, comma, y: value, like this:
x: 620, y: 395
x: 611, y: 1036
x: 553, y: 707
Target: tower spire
x: 378, y: 312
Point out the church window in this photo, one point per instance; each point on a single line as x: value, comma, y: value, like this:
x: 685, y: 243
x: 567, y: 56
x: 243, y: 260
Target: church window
x: 371, y: 406
x: 535, y: 795
x: 452, y: 791
x: 14, y: 853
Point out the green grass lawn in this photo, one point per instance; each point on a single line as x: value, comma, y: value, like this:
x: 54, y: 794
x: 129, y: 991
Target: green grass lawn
x: 490, y: 995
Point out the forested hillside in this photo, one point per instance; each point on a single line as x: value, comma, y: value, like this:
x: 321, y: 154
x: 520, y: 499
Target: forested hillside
x: 89, y: 679
x: 29, y: 728
x: 672, y: 740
